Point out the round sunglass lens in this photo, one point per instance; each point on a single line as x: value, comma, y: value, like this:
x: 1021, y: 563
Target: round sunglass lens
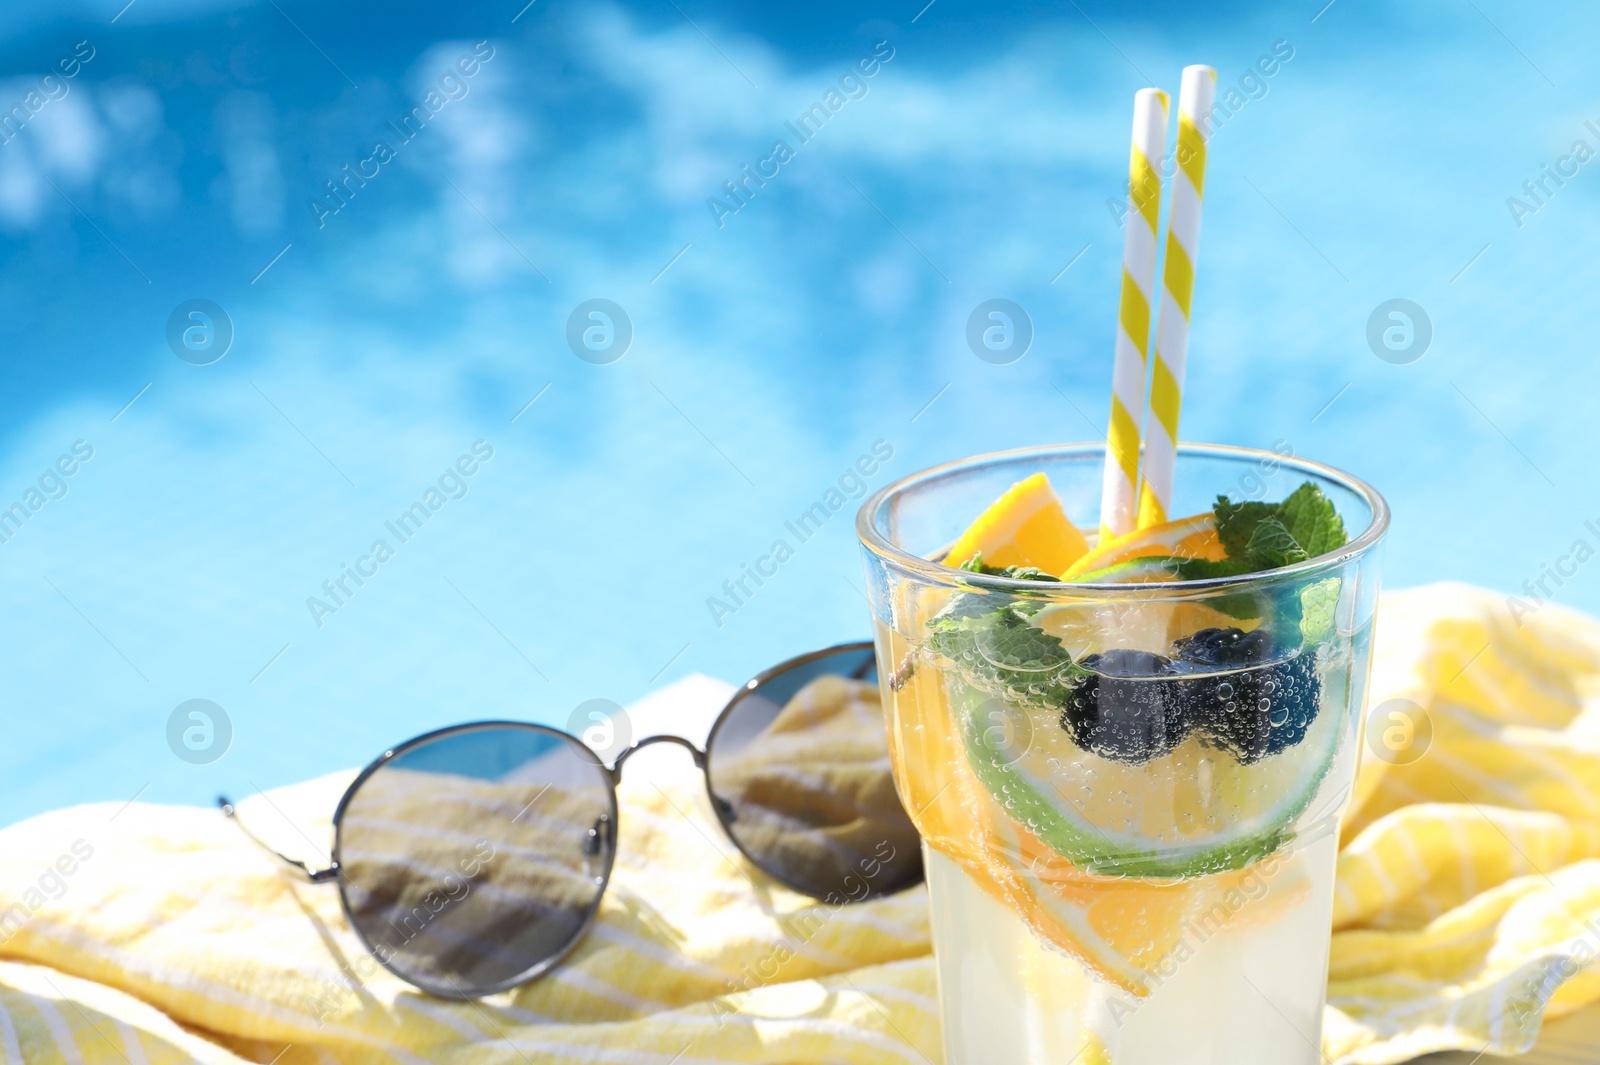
x: 471, y: 861
x: 798, y: 768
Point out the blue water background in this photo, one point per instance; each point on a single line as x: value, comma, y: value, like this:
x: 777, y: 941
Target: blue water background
x: 827, y: 314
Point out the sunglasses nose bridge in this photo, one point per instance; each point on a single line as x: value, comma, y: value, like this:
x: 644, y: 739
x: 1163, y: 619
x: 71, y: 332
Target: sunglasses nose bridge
x: 696, y: 753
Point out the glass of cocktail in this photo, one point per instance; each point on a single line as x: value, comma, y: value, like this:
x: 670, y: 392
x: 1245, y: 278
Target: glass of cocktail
x: 1127, y: 760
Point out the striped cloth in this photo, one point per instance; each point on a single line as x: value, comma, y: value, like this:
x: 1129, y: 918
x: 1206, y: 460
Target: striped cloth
x: 1468, y: 895
x: 1468, y: 906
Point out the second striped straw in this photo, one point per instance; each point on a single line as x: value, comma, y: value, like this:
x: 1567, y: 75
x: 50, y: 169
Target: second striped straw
x: 1119, y: 490
x: 1172, y: 324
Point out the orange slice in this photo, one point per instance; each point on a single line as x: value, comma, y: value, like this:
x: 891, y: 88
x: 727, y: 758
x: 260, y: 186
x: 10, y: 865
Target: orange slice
x: 1191, y: 537
x: 1024, y: 527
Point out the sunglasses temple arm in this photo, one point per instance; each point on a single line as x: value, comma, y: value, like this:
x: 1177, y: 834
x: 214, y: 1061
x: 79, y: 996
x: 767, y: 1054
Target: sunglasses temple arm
x: 315, y: 876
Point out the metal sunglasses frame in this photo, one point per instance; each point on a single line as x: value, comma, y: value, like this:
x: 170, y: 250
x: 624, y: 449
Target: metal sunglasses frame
x: 605, y: 832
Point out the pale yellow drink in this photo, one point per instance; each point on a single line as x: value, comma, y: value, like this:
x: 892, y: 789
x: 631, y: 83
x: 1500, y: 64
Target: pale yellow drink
x: 1095, y: 900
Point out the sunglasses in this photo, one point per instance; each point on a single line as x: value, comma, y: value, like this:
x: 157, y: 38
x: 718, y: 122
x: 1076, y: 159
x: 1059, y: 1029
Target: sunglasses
x: 473, y: 859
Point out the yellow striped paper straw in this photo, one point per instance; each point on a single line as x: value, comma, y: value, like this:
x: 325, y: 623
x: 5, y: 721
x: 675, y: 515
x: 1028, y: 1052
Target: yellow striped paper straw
x: 1119, y: 492
x: 1172, y: 323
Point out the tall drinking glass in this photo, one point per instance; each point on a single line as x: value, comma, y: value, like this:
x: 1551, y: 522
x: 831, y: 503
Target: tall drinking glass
x: 1128, y: 793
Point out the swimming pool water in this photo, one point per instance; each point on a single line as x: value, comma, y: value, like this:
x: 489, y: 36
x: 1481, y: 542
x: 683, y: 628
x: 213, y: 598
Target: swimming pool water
x: 401, y: 273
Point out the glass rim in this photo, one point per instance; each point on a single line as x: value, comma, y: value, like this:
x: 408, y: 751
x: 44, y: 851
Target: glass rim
x: 939, y: 574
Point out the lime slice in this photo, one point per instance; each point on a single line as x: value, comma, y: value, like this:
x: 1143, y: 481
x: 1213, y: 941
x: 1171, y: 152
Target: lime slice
x: 1193, y: 811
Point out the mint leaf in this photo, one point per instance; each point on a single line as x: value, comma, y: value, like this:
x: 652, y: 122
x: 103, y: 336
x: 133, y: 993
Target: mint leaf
x: 996, y: 648
x: 1272, y: 545
x: 1237, y: 522
x: 1264, y: 536
x: 1012, y: 644
x: 1269, y: 535
x: 1317, y: 604
x: 1312, y: 520
x: 976, y: 564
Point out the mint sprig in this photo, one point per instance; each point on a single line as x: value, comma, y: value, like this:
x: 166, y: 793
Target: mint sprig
x: 1266, y: 536
x: 1257, y: 537
x: 1313, y: 521
x: 995, y: 645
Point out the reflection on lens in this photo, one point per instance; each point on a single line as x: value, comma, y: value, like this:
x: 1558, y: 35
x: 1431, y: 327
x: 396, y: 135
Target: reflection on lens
x: 473, y: 858
x: 799, y: 773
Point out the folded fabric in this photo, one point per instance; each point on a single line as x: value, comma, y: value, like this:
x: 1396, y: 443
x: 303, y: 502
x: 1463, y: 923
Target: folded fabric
x: 1467, y: 907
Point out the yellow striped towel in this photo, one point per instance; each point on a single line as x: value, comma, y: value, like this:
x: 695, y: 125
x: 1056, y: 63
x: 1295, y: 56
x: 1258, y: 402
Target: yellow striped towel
x: 1468, y: 906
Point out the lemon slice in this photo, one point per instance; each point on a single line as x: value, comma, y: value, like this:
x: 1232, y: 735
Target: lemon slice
x: 1191, y: 537
x: 1024, y: 527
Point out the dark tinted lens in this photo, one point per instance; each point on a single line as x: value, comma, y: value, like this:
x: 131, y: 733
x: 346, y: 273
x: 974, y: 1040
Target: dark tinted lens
x: 799, y: 773
x: 470, y: 860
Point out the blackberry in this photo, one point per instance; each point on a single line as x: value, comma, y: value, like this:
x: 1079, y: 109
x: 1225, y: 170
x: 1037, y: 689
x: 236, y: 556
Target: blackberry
x: 1129, y: 707
x: 1225, y: 647
x: 1261, y: 705
x: 1228, y: 685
